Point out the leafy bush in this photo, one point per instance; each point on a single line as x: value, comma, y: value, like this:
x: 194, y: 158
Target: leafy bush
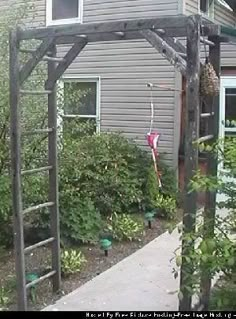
x: 108, y: 168
x: 72, y: 261
x: 4, y: 299
x: 166, y: 206
x: 100, y: 175
x: 125, y: 227
x: 80, y: 220
x: 223, y: 296
x: 169, y: 184
x: 6, y: 234
x: 212, y: 248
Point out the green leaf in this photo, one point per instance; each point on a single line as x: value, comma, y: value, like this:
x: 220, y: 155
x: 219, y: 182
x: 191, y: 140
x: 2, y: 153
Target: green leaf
x: 179, y: 261
x: 231, y: 261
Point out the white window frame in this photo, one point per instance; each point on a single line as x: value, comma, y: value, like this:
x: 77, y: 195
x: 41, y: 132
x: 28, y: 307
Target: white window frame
x: 225, y: 82
x: 97, y: 80
x: 51, y: 22
x: 225, y: 5
x: 211, y: 9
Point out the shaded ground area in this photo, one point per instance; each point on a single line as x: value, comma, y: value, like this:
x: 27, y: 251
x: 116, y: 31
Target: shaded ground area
x: 96, y: 264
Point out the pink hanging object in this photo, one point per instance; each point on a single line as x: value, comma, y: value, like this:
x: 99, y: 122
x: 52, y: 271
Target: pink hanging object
x: 153, y: 140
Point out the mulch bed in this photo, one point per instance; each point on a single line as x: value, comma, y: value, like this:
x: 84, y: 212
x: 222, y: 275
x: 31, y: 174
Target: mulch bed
x: 96, y: 264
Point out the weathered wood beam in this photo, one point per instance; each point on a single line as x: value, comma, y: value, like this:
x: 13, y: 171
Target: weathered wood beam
x: 176, y: 45
x: 35, y: 59
x: 53, y: 175
x: 15, y: 134
x: 100, y: 37
x: 165, y: 49
x: 166, y: 22
x: 213, y: 104
x: 172, y: 25
x: 191, y: 134
x: 68, y: 59
x: 209, y: 29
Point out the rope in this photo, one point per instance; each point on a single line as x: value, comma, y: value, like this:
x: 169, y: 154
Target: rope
x: 152, y: 109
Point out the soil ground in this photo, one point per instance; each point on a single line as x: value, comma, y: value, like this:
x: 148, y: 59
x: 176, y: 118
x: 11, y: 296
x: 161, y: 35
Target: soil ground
x: 96, y: 264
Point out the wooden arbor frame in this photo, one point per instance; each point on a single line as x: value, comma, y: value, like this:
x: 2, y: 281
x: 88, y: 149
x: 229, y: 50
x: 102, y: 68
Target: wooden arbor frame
x: 161, y: 33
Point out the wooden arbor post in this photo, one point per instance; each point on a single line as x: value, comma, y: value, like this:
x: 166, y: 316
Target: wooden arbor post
x: 191, y: 152
x: 213, y: 105
x: 16, y: 171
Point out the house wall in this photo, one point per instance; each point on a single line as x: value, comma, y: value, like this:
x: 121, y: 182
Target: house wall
x: 222, y: 16
x: 124, y: 68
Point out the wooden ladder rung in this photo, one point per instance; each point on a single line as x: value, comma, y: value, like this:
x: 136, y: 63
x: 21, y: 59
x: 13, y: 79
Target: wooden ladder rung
x: 41, y: 131
x: 40, y: 244
x: 121, y: 34
x: 35, y: 92
x: 37, y: 207
x: 53, y: 59
x: 36, y: 170
x: 205, y: 138
x: 33, y: 283
x: 184, y: 55
x: 30, y: 51
x: 160, y: 31
x: 203, y: 115
x: 210, y: 43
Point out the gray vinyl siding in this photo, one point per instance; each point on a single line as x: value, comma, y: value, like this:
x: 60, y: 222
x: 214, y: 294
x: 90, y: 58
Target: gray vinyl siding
x: 222, y: 16
x: 228, y: 52
x: 191, y: 7
x: 125, y: 68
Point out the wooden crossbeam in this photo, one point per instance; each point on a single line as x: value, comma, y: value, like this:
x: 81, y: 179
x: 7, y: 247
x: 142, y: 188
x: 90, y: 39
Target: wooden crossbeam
x: 112, y: 36
x: 35, y: 59
x: 172, y: 25
x: 176, y: 45
x: 114, y: 26
x: 165, y: 49
x: 68, y: 59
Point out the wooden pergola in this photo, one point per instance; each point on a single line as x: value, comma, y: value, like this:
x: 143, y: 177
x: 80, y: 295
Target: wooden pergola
x: 162, y: 34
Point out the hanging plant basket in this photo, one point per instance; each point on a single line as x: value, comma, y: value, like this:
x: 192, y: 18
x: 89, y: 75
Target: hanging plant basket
x: 209, y: 81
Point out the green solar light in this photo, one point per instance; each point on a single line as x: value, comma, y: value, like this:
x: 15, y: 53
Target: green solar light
x: 31, y: 277
x: 149, y: 216
x: 105, y: 245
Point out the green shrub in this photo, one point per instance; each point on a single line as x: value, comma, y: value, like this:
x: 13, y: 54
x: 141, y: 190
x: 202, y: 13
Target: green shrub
x: 80, y: 220
x: 4, y: 299
x: 6, y: 233
x: 223, y: 295
x: 125, y: 227
x: 108, y: 168
x: 72, y: 261
x: 101, y: 175
x: 166, y: 206
x: 169, y: 184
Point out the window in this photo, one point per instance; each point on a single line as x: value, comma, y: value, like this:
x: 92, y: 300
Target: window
x: 81, y: 106
x: 207, y: 8
x: 64, y: 11
x: 230, y: 109
x: 204, y: 6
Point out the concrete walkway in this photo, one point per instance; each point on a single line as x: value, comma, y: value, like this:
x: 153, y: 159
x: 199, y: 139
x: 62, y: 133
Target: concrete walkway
x: 142, y: 282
